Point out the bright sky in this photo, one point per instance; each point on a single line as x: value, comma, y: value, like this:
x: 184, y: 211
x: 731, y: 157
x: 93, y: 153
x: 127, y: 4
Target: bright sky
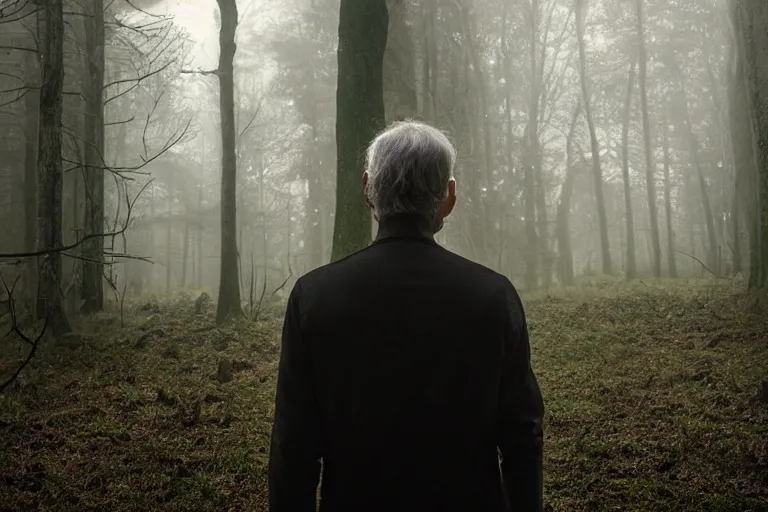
x: 197, y: 17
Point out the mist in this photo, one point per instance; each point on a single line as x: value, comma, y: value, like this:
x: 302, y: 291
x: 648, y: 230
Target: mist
x: 157, y: 185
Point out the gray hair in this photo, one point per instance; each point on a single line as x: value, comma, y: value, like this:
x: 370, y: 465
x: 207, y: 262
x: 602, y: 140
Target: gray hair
x: 409, y: 166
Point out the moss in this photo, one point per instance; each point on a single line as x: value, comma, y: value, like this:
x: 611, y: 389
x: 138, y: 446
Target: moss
x: 644, y: 412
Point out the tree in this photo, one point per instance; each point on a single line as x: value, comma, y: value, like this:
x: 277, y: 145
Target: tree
x: 563, y: 229
x: 631, y: 265
x: 668, y: 205
x: 93, y: 250
x: 399, y: 67
x: 49, y: 169
x: 751, y: 18
x: 359, y: 115
x: 597, y: 172
x: 229, y: 282
x: 650, y: 167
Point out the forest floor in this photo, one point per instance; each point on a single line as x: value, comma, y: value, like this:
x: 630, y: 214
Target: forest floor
x: 652, y: 395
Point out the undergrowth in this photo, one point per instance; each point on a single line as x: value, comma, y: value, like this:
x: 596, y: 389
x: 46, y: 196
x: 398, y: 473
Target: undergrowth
x: 651, y: 393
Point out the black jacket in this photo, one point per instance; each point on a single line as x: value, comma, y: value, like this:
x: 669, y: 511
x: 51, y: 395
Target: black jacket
x: 406, y: 370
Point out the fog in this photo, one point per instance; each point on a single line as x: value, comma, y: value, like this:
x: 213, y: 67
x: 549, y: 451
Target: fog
x: 504, y: 81
x: 612, y: 163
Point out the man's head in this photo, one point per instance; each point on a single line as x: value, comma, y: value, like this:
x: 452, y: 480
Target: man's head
x: 409, y: 169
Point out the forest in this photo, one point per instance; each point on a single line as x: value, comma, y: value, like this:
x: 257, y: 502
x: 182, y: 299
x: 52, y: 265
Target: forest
x: 170, y: 168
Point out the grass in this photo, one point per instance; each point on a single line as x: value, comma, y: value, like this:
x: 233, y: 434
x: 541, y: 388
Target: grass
x: 651, y: 395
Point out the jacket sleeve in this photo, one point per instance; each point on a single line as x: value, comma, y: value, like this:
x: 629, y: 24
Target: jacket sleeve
x: 294, y: 457
x: 521, y: 411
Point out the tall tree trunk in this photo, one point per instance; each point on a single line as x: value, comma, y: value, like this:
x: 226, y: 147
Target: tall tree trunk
x: 49, y: 169
x: 709, y: 220
x: 531, y: 155
x: 200, y: 232
x: 313, y: 235
x: 229, y: 282
x: 565, y: 252
x: 428, y: 41
x: 359, y: 115
x: 750, y: 18
x: 400, y: 96
x: 31, y: 118
x: 93, y: 269
x: 631, y: 263
x: 594, y: 144
x: 742, y: 141
x: 185, y: 250
x: 169, y: 244
x: 671, y: 261
x: 650, y: 167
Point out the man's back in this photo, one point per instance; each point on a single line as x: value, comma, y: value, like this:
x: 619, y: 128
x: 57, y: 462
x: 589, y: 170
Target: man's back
x: 410, y: 354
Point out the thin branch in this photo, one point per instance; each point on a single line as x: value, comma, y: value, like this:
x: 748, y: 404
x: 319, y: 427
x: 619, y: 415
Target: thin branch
x: 146, y: 12
x: 126, y: 121
x: 19, y: 48
x: 199, y: 72
x: 140, y: 78
x: 15, y: 328
x: 247, y: 126
x: 702, y: 264
x: 79, y: 242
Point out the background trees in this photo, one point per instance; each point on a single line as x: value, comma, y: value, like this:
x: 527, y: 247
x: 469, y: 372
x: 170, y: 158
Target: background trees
x: 584, y: 130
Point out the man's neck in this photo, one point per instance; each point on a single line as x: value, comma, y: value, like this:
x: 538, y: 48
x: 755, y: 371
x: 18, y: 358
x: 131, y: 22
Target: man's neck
x: 405, y: 225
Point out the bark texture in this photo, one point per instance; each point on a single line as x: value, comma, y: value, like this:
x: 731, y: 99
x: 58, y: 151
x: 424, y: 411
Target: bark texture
x: 229, y: 282
x: 49, y: 170
x: 93, y: 250
x: 359, y: 115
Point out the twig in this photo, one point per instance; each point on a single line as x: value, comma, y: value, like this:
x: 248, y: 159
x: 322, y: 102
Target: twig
x: 15, y: 328
x: 702, y: 265
x: 71, y: 246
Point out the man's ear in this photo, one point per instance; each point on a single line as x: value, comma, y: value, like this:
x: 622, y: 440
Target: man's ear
x: 365, y: 191
x: 447, y: 207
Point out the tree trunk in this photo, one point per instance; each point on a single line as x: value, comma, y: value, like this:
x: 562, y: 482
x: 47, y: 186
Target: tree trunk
x: 400, y: 96
x: 428, y: 72
x: 49, y: 169
x: 650, y: 167
x: 631, y: 263
x: 709, y: 220
x: 93, y: 249
x: 671, y: 260
x: 31, y: 117
x: 359, y: 115
x: 229, y: 283
x: 169, y: 243
x: 185, y: 251
x: 531, y: 155
x: 565, y: 252
x: 751, y: 18
x: 742, y: 147
x: 594, y: 144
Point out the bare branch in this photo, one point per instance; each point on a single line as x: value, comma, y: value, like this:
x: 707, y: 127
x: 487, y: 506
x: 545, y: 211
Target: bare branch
x: 125, y: 121
x: 79, y: 242
x: 702, y: 264
x: 15, y: 328
x: 19, y: 48
x: 253, y: 118
x: 121, y: 171
x: 138, y: 79
x: 146, y: 12
x: 199, y: 72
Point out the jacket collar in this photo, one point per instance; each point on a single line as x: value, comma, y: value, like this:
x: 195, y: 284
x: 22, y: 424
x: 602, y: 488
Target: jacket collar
x: 404, y: 225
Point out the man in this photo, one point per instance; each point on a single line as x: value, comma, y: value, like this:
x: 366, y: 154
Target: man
x: 405, y: 369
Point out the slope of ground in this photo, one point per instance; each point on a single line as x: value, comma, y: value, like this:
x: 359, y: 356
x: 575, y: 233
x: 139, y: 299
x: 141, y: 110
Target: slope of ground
x: 651, y: 391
